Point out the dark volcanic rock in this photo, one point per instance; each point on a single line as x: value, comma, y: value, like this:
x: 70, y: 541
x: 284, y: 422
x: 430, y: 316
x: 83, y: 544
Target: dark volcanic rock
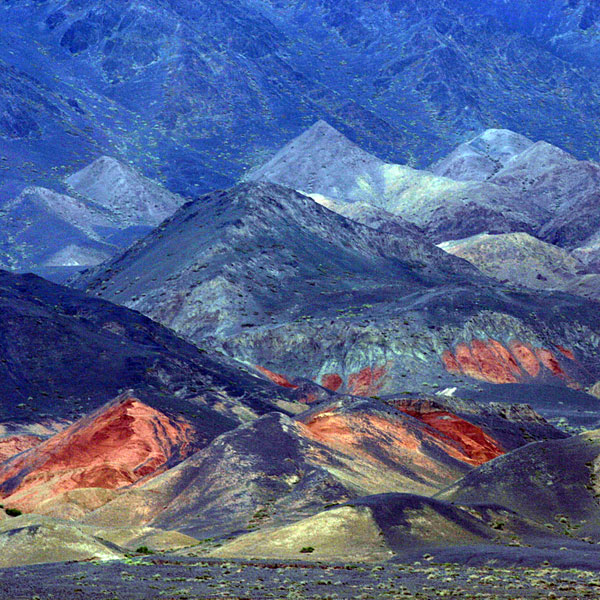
x: 64, y: 354
x: 219, y: 266
x: 554, y: 482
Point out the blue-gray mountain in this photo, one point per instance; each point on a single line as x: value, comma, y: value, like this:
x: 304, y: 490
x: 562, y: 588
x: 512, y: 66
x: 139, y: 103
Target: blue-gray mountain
x: 108, y: 205
x: 286, y: 285
x: 196, y: 93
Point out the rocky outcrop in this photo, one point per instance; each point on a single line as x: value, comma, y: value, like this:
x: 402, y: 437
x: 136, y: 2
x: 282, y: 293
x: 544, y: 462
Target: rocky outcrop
x: 15, y: 444
x: 489, y: 360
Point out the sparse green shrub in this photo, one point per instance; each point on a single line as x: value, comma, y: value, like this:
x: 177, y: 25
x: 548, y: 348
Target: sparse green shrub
x: 307, y: 549
x: 144, y: 550
x: 13, y: 512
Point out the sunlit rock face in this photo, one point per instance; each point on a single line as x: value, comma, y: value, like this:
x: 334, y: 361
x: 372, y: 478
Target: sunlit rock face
x: 116, y: 446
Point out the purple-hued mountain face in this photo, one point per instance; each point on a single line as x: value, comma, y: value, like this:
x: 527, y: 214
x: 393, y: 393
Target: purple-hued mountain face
x: 107, y: 205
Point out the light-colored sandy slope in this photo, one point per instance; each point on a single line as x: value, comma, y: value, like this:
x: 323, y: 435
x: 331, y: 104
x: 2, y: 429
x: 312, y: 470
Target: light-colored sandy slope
x: 523, y: 259
x: 33, y: 539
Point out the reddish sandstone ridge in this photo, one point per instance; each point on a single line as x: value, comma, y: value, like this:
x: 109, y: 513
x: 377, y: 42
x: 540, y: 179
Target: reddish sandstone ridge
x: 568, y: 353
x: 490, y: 361
x: 367, y: 381
x: 358, y: 433
x: 478, y: 446
x: 16, y: 444
x: 277, y: 378
x: 332, y: 381
x: 113, y: 447
x: 364, y: 444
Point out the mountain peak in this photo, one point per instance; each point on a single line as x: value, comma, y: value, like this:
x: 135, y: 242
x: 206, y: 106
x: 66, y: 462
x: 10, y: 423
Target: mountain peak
x: 323, y: 126
x: 316, y: 156
x: 502, y: 141
x: 122, y: 190
x: 481, y: 157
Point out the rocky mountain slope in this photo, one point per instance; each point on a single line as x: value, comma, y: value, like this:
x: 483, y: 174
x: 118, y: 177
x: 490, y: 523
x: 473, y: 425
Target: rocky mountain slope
x: 283, y: 284
x: 498, y: 182
x: 113, y: 447
x: 565, y: 499
x: 93, y: 350
x: 289, y: 241
x: 277, y: 470
x: 324, y: 162
x: 108, y: 205
x: 483, y: 156
x: 522, y: 259
x: 133, y: 199
x: 266, y: 484
x: 220, y: 86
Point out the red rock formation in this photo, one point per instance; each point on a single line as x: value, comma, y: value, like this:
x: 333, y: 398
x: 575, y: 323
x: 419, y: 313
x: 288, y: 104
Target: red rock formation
x: 16, y: 444
x: 526, y: 357
x: 366, y: 382
x: 277, y: 378
x: 115, y: 446
x: 482, y: 361
x: 451, y: 363
x: 568, y: 353
x: 332, y: 381
x: 419, y: 445
x: 477, y: 445
x: 550, y: 362
x: 310, y: 398
x: 491, y: 361
x: 506, y: 357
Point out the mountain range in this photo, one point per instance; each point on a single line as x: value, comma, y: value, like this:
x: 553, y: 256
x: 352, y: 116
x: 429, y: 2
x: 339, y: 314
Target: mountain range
x: 299, y: 299
x: 270, y: 275
x: 196, y: 96
x: 108, y: 205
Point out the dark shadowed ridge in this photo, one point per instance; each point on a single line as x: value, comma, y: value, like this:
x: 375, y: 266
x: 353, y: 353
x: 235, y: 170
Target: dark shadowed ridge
x: 65, y: 354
